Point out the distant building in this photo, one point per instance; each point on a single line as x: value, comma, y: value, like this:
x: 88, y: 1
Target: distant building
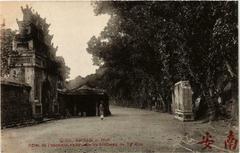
x: 83, y: 101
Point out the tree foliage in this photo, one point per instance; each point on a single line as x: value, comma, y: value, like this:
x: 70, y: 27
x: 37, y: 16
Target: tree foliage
x: 147, y: 47
x: 63, y: 71
x: 6, y: 38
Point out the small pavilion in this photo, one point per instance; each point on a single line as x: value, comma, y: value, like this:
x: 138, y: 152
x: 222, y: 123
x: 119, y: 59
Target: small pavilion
x: 83, y: 101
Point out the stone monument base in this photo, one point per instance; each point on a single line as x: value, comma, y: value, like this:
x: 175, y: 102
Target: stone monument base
x: 184, y: 116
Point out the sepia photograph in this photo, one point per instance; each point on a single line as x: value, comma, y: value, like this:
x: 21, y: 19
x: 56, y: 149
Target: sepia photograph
x: 119, y: 76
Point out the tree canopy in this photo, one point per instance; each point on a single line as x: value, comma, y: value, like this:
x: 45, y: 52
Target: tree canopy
x: 147, y: 47
x: 6, y: 38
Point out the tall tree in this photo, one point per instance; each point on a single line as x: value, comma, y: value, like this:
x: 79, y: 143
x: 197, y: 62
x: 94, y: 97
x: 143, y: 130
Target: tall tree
x: 147, y: 47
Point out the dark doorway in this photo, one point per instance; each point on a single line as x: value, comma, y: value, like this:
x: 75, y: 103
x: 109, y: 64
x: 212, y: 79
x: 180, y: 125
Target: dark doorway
x: 46, y: 92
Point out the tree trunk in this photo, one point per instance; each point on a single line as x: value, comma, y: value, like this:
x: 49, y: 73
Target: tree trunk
x: 212, y: 105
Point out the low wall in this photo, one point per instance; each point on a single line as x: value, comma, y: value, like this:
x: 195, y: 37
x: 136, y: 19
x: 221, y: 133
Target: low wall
x: 15, y: 104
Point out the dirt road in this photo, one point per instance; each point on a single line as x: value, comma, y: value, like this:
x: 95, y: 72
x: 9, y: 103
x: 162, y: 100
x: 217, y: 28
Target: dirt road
x: 127, y: 130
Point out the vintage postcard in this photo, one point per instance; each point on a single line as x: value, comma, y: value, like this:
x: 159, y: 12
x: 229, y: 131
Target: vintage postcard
x: 119, y: 76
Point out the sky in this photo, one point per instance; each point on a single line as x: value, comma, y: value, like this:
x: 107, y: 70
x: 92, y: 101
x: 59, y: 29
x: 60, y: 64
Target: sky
x: 72, y: 23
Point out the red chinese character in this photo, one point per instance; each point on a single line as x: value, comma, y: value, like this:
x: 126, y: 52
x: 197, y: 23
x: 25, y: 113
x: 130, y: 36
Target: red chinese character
x: 231, y: 142
x: 207, y: 141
